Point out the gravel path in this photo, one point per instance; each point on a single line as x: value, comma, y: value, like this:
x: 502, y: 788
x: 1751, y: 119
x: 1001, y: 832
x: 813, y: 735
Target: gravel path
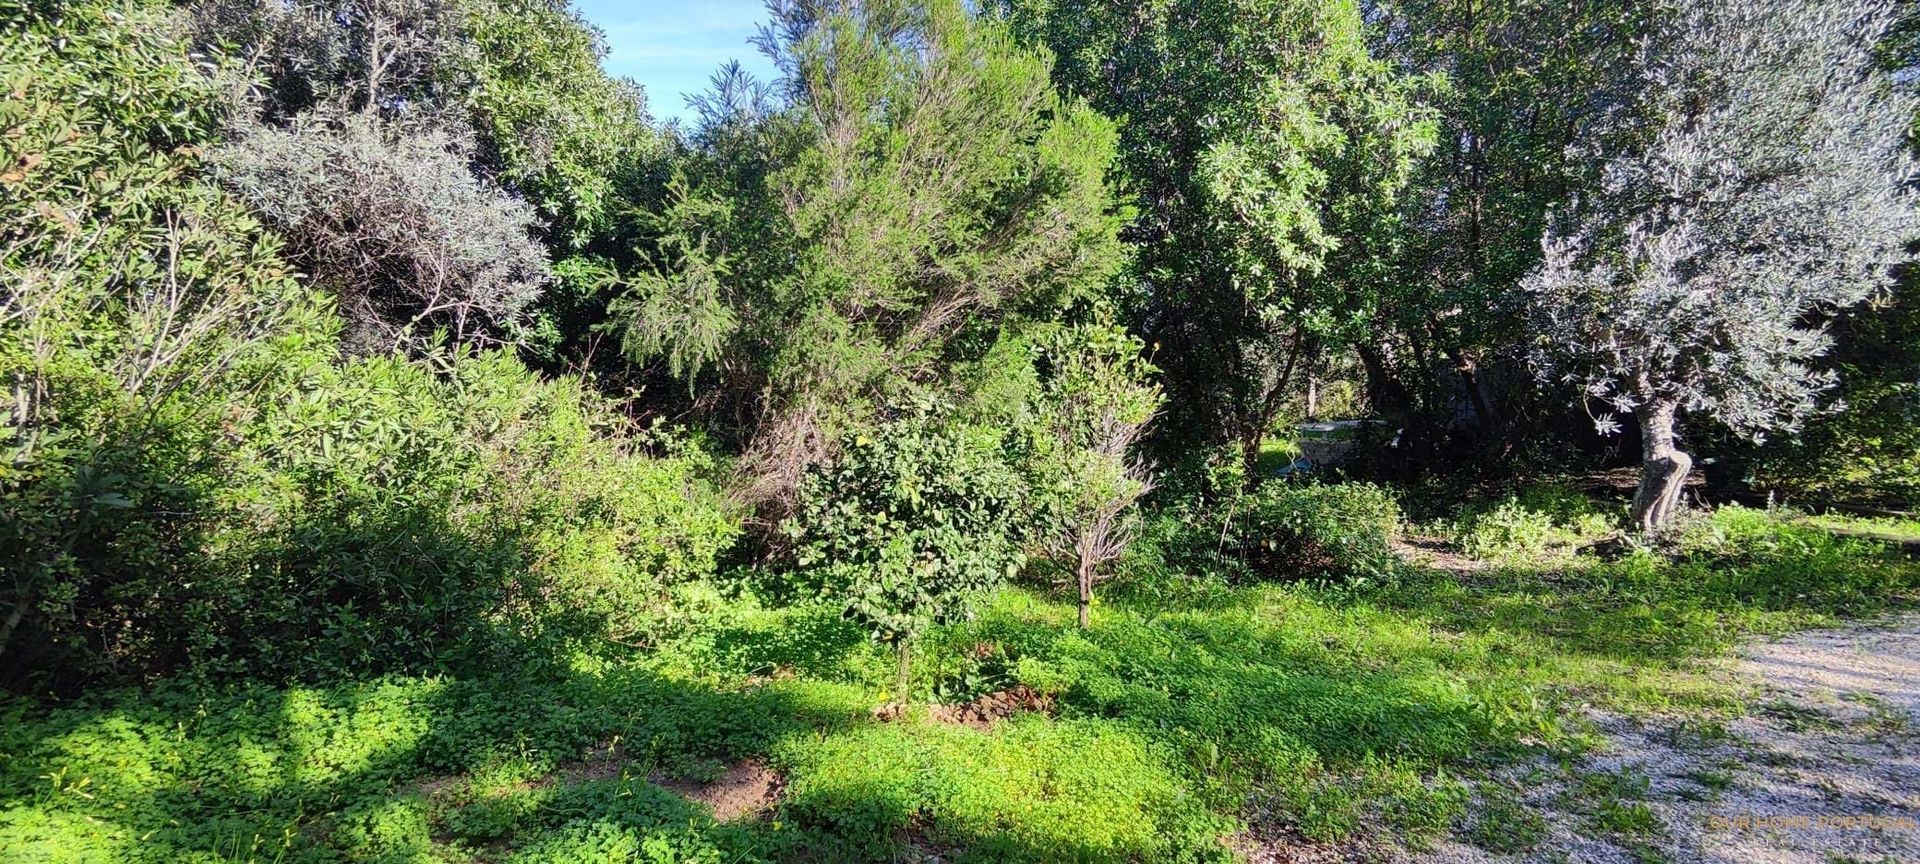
x: 1826, y: 771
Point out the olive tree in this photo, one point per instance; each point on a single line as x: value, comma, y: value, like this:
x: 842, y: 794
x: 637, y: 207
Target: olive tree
x: 1752, y: 175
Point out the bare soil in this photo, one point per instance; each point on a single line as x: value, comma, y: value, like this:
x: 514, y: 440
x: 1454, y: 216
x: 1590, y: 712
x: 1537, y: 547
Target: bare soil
x: 981, y: 713
x: 744, y: 790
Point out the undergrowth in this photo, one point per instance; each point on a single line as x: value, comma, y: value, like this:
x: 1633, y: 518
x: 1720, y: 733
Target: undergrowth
x: 1179, y: 720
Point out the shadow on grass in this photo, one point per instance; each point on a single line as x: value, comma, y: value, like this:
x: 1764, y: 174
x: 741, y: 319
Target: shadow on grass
x: 539, y: 766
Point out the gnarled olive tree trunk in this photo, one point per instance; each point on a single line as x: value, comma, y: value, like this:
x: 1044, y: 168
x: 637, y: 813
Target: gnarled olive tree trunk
x: 1663, y: 468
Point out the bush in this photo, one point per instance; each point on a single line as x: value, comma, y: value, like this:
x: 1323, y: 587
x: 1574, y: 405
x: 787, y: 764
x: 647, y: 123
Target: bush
x: 1283, y: 532
x: 138, y: 303
x: 396, y: 517
x: 1294, y: 531
x: 1538, y: 522
x: 393, y: 222
x: 913, y: 523
x: 380, y: 515
x: 194, y: 478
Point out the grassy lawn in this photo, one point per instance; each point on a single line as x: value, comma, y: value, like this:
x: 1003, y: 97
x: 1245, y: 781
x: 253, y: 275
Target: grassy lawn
x: 1176, y: 720
x: 1893, y: 529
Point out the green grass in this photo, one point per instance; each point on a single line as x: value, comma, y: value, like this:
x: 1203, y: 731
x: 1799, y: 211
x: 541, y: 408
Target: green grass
x: 1333, y: 711
x: 1504, y: 824
x: 1899, y: 530
x: 1275, y: 454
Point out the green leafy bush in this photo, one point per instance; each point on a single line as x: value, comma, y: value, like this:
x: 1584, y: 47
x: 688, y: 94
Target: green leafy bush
x: 1539, y: 522
x: 401, y: 515
x: 1289, y: 531
x: 192, y: 475
x: 914, y: 522
x: 140, y: 306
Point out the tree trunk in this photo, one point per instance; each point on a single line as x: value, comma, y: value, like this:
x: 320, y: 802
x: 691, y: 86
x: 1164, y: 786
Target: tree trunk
x: 17, y: 614
x: 901, y: 679
x: 1086, y: 593
x: 1250, y: 460
x: 1663, y: 468
x: 1469, y: 373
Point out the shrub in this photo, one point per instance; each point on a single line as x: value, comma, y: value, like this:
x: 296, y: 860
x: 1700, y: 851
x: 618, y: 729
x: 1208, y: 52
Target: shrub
x: 912, y: 524
x: 1098, y: 400
x: 393, y: 222
x: 1283, y: 532
x: 396, y: 516
x: 1538, y: 522
x: 193, y: 477
x: 137, y: 303
x: 1294, y: 531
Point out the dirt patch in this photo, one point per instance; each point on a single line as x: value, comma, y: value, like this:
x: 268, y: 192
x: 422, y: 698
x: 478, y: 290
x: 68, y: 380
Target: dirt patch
x: 746, y: 789
x: 1278, y: 844
x: 606, y: 761
x: 434, y: 787
x: 1437, y: 553
x: 981, y: 713
x: 1826, y: 769
x: 987, y: 710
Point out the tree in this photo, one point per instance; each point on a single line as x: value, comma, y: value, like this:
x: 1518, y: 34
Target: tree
x: 1753, y: 174
x: 1450, y: 331
x: 393, y: 223
x: 1097, y: 398
x: 911, y: 188
x: 1260, y: 138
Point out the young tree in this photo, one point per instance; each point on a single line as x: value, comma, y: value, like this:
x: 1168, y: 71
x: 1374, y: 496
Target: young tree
x: 1259, y: 138
x: 1097, y: 398
x: 918, y: 518
x: 1753, y: 175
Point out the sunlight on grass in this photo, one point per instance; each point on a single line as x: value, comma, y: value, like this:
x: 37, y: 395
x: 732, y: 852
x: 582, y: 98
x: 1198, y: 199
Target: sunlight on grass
x: 1331, y: 710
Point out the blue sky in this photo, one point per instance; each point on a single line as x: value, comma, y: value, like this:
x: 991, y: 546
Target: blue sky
x: 672, y: 48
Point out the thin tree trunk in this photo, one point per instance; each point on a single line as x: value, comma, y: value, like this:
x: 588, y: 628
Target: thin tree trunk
x: 901, y: 679
x: 1086, y: 592
x: 1469, y: 373
x: 1663, y: 468
x: 1250, y: 459
x: 14, y: 617
x: 1251, y: 439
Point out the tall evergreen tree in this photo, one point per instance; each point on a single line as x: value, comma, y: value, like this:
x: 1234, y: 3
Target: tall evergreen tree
x: 911, y: 186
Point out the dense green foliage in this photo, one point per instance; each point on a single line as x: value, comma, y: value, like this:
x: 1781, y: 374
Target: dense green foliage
x: 1282, y: 532
x: 197, y: 480
x: 1337, y: 713
x: 917, y: 190
x: 410, y: 452
x: 914, y: 523
x: 1261, y: 141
